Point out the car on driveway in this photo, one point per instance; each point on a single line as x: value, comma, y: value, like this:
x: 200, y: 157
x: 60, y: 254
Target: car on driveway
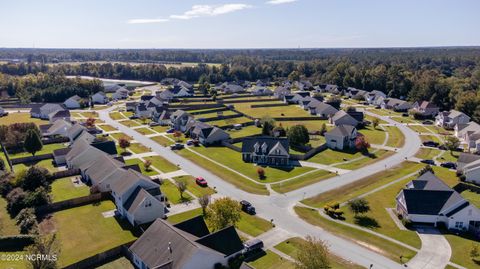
x: 201, y: 181
x: 176, y: 146
x: 171, y: 130
x: 449, y: 165
x: 427, y: 122
x: 133, y: 117
x: 252, y: 246
x: 189, y: 142
x: 430, y: 162
x: 247, y: 207
x: 430, y: 144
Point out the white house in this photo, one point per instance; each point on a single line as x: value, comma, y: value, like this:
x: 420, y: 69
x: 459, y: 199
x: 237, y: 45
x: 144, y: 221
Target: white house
x: 342, y: 118
x: 99, y: 98
x: 72, y: 102
x: 426, y: 109
x: 207, y: 134
x: 341, y: 137
x: 448, y: 119
x: 371, y: 96
x: 428, y: 199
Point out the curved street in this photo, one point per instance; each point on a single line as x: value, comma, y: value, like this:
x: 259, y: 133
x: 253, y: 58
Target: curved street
x: 279, y: 207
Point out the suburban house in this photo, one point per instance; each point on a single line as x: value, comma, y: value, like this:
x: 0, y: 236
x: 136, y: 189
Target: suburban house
x: 448, y: 119
x: 111, y: 88
x: 464, y: 159
x: 281, y: 91
x: 99, y: 98
x: 322, y: 110
x: 341, y: 137
x: 142, y: 111
x: 162, y: 116
x: 59, y: 115
x: 463, y: 130
x: 261, y: 91
x: 471, y: 171
x: 73, y: 102
x: 175, y: 82
x: 371, y: 96
x: 426, y: 109
x: 2, y: 111
x: 179, y: 120
x: 428, y: 199
x: 295, y: 98
x: 343, y: 118
x: 130, y: 106
x: 356, y: 93
x: 266, y: 151
x: 74, y: 131
x: 308, y: 101
x: 207, y: 134
x: 229, y: 88
x: 186, y: 245
x: 42, y: 112
x: 58, y: 128
x: 303, y: 85
x: 179, y: 91
x: 121, y: 93
x: 396, y: 105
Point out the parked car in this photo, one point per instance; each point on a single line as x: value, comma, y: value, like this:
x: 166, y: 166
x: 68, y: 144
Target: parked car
x: 133, y: 117
x: 405, y: 115
x: 171, y: 130
x: 427, y: 122
x: 189, y: 142
x: 201, y: 181
x: 252, y: 245
x: 430, y: 144
x: 430, y: 162
x: 247, y: 207
x: 378, y: 107
x: 449, y: 165
x: 177, y: 146
x: 153, y: 123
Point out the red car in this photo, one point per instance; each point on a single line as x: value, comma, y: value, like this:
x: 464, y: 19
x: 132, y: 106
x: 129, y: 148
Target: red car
x: 201, y: 181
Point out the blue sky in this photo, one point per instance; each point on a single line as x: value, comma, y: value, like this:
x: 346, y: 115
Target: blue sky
x: 238, y: 23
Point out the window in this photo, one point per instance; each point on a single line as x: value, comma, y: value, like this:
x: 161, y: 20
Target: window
x: 458, y: 225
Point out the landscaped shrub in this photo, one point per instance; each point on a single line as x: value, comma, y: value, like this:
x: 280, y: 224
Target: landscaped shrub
x: 27, y: 221
x: 261, y: 173
x: 15, y: 242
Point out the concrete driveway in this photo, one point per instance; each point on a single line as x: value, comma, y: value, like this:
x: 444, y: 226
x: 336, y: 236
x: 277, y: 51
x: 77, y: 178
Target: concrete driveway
x: 435, y: 252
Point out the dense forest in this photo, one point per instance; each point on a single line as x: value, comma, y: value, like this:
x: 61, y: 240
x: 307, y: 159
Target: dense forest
x: 448, y: 76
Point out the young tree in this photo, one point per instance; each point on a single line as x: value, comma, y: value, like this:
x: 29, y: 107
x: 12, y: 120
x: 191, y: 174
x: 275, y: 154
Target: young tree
x: 298, y: 135
x: 267, y: 125
x: 359, y: 206
x: 147, y: 165
x: 32, y: 142
x: 222, y: 213
x: 313, y: 254
x: 204, y: 201
x: 375, y: 122
x: 90, y: 122
x: 361, y: 144
x: 47, y: 246
x: 452, y: 143
x: 181, y: 187
x: 144, y: 119
x: 261, y: 173
x: 177, y: 135
x: 323, y: 129
x: 124, y: 143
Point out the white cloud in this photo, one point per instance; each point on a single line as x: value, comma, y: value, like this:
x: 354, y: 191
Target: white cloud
x: 209, y: 11
x: 279, y: 2
x: 141, y: 21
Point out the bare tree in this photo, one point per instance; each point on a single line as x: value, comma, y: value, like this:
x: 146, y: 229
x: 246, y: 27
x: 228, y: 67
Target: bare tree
x: 182, y: 187
x: 204, y: 201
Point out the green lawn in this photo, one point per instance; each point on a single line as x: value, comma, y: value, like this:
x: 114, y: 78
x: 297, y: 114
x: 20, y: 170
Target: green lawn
x: 274, y: 112
x: 461, y: 249
x: 44, y: 163
x: 433, y: 138
x: 7, y: 224
x: 292, y: 245
x: 404, y: 119
x: 117, y: 116
x: 330, y: 156
x: 395, y: 137
x: 302, y: 181
x: 162, y: 140
x: 193, y: 187
x: 448, y: 156
x: 215, y: 114
x: 63, y: 189
x: 139, y: 148
x: 14, y: 117
x: 172, y: 193
x: 120, y: 135
x: 130, y: 123
x: 152, y: 172
x: 233, y: 160
x: 17, y: 264
x: 370, y: 118
x: 84, y: 228
x: 160, y: 129
x: 227, y: 175
x: 145, y: 131
x: 427, y: 153
x: 373, y: 136
x: 120, y: 263
x: 472, y: 197
x: 379, y: 245
x: 311, y: 125
x: 272, y: 261
x: 378, y: 155
x: 233, y: 121
x: 89, y: 114
x: 162, y: 164
x: 245, y: 131
x: 45, y: 150
x: 107, y: 128
x: 419, y: 129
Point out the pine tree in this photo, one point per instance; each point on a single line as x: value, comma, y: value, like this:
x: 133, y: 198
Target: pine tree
x: 32, y: 142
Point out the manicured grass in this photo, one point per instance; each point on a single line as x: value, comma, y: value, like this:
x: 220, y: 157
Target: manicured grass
x: 120, y: 135
x: 45, y: 150
x: 330, y: 156
x: 395, y: 137
x: 181, y: 139
x: 152, y: 172
x: 89, y: 114
x: 419, y: 129
x: 373, y: 136
x: 272, y: 261
x: 162, y: 140
x: 117, y: 116
x: 64, y: 189
x: 107, y: 128
x: 45, y: 164
x: 15, y: 264
x: 227, y: 175
x: 355, y: 189
x: 386, y: 112
x: 448, y: 156
x: 293, y: 245
x: 472, y: 197
x: 233, y: 160
x: 274, y: 112
x: 160, y: 129
x: 427, y: 153
x: 370, y: 118
x: 7, y: 224
x: 177, y: 218
x: 461, y: 246
x: 172, y: 193
x: 302, y: 181
x: 215, y: 114
x: 375, y: 243
x: 84, y: 228
x: 245, y: 131
x: 139, y: 148
x: 404, y: 120
x: 14, y: 117
x: 145, y: 131
x: 377, y: 156
x: 449, y: 177
x: 433, y: 138
x: 162, y: 164
x: 311, y: 125
x: 193, y: 187
x: 233, y: 121
x: 130, y: 123
x: 120, y: 263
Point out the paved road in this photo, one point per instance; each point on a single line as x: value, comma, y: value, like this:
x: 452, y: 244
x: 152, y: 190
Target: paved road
x: 435, y: 252
x: 279, y: 207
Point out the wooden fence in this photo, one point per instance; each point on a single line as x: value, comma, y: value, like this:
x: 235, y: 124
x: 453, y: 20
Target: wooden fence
x: 102, y: 258
x: 30, y: 159
x: 80, y: 201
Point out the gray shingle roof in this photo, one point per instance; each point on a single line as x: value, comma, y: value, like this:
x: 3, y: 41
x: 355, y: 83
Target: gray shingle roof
x: 341, y: 130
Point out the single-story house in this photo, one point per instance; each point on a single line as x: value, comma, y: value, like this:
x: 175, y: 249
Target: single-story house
x: 121, y: 93
x: 396, y: 105
x: 322, y: 110
x: 463, y: 130
x: 371, y: 96
x: 99, y: 98
x: 111, y: 88
x: 261, y: 91
x: 341, y: 137
x: 58, y: 128
x: 281, y: 91
x: 42, y: 112
x: 471, y: 171
x: 428, y: 199
x: 59, y: 115
x: 448, y: 119
x: 207, y: 134
x: 73, y: 102
x: 343, y: 118
x: 266, y: 150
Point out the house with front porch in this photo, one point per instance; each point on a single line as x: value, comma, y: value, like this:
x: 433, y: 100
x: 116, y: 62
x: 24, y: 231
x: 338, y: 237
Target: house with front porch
x: 448, y: 119
x: 266, y: 150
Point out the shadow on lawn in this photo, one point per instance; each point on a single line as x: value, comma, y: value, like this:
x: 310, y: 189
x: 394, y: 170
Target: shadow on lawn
x: 366, y: 222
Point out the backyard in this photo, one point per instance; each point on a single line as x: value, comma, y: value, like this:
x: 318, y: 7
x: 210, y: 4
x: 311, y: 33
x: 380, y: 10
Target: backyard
x: 64, y: 189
